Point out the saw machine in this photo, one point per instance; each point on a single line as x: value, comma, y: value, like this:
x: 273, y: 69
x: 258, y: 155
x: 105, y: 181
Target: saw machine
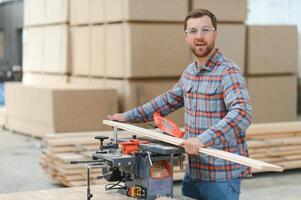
x: 138, y: 168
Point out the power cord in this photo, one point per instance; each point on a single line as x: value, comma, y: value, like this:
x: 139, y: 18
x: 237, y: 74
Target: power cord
x: 114, y: 186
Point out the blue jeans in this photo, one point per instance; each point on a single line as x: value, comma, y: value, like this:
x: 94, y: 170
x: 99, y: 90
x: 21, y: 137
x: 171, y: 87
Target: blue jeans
x: 206, y: 190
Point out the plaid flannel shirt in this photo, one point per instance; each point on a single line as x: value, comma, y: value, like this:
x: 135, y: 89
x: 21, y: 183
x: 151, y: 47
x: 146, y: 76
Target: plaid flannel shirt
x: 217, y: 111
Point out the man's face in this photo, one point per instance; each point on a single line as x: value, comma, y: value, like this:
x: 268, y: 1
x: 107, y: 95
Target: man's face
x: 200, y: 36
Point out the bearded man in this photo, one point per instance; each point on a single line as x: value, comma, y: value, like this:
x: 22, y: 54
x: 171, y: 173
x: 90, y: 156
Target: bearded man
x: 217, y: 112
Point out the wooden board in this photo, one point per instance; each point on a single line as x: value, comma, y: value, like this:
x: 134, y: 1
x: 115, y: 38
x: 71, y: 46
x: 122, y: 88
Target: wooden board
x: 75, y: 193
x: 209, y: 151
x: 273, y: 128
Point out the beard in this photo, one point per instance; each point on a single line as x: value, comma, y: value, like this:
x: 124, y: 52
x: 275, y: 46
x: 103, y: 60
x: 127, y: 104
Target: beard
x: 202, y: 51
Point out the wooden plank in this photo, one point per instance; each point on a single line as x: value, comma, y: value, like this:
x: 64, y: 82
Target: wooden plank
x: 257, y: 143
x: 290, y: 164
x: 292, y: 157
x: 73, y: 148
x: 272, y: 128
x: 272, y: 159
x: 284, y: 141
x: 272, y: 135
x: 212, y: 152
x: 281, y: 150
x: 69, y: 141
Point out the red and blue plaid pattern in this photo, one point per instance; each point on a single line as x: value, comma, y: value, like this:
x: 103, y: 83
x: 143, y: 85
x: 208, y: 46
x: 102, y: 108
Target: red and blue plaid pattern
x: 217, y: 110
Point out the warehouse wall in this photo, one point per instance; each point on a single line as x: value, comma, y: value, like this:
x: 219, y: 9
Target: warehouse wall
x: 278, y: 12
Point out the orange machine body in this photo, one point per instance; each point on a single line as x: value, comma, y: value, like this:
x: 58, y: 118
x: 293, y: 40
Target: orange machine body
x: 131, y: 146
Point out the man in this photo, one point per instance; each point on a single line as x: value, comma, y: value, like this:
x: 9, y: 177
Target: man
x: 217, y: 112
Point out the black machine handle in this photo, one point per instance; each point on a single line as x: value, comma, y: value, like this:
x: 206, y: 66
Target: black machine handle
x: 101, y: 139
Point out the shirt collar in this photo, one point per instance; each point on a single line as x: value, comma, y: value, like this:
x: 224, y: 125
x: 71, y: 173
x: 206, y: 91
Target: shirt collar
x: 210, y: 63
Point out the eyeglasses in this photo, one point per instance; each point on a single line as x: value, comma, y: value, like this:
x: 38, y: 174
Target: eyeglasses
x: 192, y: 32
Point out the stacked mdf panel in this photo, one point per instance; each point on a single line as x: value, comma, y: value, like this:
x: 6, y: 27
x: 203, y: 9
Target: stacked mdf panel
x: 231, y: 15
x: 45, y: 49
x: 38, y: 110
x: 87, y: 44
x: 125, y: 40
x: 46, y: 38
x: 29, y: 78
x: 272, y: 72
x: 273, y: 98
x: 129, y: 45
x: 99, y: 11
x: 47, y: 67
x: 41, y: 12
x: 124, y: 50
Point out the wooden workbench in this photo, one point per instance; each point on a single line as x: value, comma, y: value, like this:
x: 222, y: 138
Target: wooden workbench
x: 72, y: 193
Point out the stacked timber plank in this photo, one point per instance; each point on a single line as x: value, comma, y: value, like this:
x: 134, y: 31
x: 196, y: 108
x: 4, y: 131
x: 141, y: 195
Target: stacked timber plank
x: 277, y: 143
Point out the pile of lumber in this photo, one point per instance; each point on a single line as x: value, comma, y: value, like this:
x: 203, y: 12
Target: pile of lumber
x: 60, y: 149
x: 278, y: 143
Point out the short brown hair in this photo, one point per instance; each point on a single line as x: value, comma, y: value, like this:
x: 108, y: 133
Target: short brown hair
x: 200, y: 13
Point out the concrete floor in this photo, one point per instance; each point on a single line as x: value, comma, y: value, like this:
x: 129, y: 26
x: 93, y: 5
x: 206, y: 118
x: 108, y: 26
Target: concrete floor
x: 20, y: 171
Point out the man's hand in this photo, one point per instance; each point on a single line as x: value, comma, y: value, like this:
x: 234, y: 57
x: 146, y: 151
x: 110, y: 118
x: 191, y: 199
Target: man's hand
x: 192, y: 145
x: 120, y: 117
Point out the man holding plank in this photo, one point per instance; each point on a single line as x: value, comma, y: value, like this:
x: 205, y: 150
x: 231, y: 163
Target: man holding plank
x: 217, y: 112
